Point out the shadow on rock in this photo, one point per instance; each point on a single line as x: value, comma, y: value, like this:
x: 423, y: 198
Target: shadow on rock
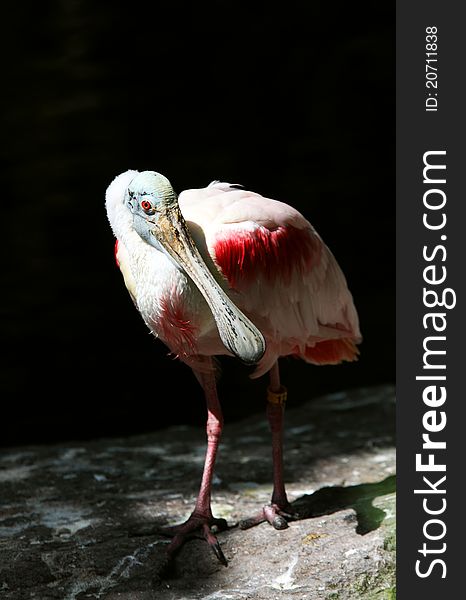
x: 329, y: 500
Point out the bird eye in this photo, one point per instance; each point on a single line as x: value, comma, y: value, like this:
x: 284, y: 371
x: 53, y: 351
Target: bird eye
x: 146, y: 206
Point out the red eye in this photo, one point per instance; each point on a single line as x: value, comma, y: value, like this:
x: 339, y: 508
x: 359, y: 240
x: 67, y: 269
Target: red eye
x: 146, y: 206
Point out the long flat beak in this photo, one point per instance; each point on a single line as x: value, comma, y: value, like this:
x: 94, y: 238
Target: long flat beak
x: 237, y: 332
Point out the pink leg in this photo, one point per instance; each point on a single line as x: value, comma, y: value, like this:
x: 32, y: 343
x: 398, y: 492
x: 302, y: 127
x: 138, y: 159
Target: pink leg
x: 214, y: 431
x: 276, y: 513
x: 275, y: 412
x: 201, y: 517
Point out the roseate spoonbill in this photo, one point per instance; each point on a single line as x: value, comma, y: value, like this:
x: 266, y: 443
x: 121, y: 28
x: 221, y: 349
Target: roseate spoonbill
x: 221, y: 270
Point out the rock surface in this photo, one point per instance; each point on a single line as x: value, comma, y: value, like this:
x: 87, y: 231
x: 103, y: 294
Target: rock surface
x: 78, y: 520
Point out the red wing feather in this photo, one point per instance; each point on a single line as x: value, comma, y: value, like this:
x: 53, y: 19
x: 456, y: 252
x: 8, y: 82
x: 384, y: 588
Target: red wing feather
x: 247, y: 254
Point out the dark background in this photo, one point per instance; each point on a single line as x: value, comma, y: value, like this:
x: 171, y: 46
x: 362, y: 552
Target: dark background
x: 295, y: 101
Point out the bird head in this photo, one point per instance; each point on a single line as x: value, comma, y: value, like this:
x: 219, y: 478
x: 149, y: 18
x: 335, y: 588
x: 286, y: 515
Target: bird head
x: 147, y: 196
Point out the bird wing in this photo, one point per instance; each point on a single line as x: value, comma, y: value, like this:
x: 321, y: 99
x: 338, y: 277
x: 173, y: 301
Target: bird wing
x: 279, y: 271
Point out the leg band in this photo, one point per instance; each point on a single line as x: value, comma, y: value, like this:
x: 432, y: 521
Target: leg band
x: 277, y: 397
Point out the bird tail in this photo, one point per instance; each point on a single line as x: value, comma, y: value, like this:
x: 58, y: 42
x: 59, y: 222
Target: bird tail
x: 330, y: 352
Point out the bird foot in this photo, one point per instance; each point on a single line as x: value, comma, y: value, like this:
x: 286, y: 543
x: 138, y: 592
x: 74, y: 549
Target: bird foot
x: 195, y: 525
x: 277, y: 516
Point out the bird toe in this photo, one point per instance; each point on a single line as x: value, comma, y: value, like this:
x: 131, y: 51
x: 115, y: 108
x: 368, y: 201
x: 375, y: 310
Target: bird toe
x: 196, y: 526
x: 273, y: 514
